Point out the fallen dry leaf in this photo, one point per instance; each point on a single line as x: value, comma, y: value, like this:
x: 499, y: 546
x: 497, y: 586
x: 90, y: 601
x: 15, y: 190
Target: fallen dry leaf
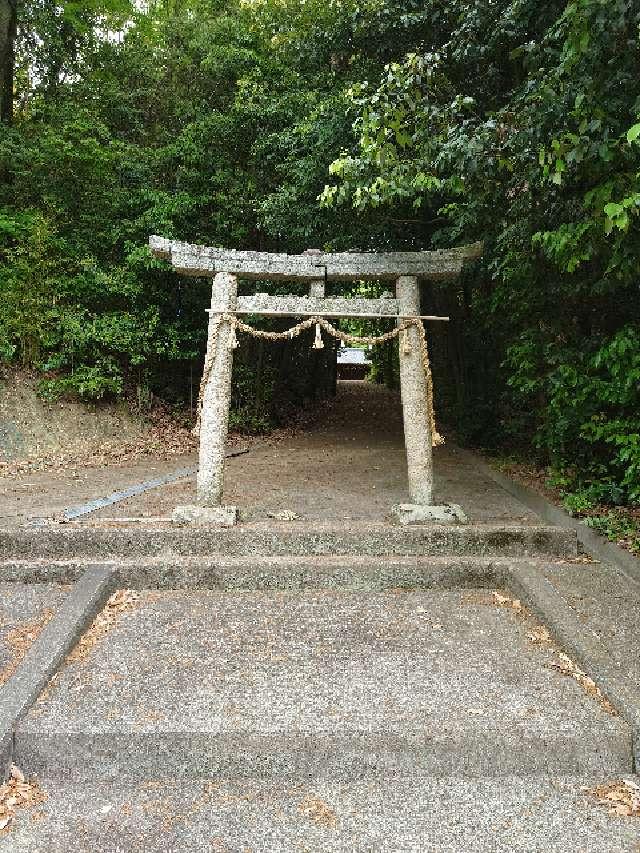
x: 565, y: 666
x: 622, y: 797
x: 284, y: 515
x: 581, y: 559
x: 480, y: 597
x: 17, y: 774
x: 539, y: 636
x: 317, y: 811
x: 514, y: 604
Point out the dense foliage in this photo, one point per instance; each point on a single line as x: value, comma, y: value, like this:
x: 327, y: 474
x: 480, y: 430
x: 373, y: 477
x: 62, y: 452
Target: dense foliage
x: 282, y: 124
x: 519, y: 123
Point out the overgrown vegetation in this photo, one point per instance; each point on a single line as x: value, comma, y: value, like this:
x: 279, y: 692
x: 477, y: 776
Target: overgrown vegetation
x: 370, y: 124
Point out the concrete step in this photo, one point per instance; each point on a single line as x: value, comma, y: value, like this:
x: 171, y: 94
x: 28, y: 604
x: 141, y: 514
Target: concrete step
x: 258, y: 572
x: 281, y: 539
x: 426, y: 815
x: 318, y: 685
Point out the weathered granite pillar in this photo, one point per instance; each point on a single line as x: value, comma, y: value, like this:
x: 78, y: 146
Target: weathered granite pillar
x: 214, y: 419
x: 413, y: 386
x: 417, y: 431
x: 214, y: 423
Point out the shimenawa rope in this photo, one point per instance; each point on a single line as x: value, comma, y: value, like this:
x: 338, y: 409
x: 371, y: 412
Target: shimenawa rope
x: 237, y: 325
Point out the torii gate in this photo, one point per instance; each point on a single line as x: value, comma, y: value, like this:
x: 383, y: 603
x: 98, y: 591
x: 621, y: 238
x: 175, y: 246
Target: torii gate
x: 315, y: 268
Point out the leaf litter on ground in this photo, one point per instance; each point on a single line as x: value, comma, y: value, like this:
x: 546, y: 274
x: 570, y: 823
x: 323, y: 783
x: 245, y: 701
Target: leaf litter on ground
x: 20, y: 639
x: 121, y: 601
x: 565, y: 666
x: 15, y: 794
x: 539, y: 635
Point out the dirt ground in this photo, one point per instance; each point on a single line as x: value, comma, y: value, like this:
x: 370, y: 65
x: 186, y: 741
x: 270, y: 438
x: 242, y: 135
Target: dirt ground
x: 32, y: 429
x: 348, y: 464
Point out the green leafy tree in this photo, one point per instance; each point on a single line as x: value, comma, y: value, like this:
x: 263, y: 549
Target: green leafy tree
x: 517, y: 123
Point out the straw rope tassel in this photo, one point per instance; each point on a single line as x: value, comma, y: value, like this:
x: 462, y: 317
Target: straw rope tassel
x: 318, y: 343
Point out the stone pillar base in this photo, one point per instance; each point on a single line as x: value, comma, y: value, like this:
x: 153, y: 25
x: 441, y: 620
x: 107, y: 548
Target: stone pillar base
x: 222, y: 516
x: 421, y: 514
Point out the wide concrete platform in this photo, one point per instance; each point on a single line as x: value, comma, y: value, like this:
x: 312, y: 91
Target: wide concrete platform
x: 452, y: 815
x: 319, y: 685
x: 346, y: 467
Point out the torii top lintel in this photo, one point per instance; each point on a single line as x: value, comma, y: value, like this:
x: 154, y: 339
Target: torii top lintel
x: 341, y: 266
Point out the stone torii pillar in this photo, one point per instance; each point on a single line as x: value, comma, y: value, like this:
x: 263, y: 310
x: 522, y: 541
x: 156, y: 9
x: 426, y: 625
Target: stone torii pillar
x: 415, y: 415
x: 214, y: 416
x: 413, y: 387
x: 214, y: 422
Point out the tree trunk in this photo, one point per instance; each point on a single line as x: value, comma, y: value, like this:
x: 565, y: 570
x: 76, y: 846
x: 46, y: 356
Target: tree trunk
x: 8, y: 30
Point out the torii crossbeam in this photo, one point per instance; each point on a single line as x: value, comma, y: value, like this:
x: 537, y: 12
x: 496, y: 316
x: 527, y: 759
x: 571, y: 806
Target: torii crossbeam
x: 315, y: 268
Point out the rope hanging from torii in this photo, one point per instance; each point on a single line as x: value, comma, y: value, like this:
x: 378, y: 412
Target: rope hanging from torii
x: 238, y: 325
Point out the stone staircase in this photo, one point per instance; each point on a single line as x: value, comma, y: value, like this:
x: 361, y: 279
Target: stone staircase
x: 281, y: 685
x: 284, y: 688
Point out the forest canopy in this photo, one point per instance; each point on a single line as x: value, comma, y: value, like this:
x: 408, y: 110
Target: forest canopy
x: 369, y: 124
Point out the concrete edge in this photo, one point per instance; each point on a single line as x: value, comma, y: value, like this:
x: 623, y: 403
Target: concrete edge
x: 594, y: 543
x: 235, y: 574
x: 102, y: 544
x: 49, y: 651
x: 528, y: 583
